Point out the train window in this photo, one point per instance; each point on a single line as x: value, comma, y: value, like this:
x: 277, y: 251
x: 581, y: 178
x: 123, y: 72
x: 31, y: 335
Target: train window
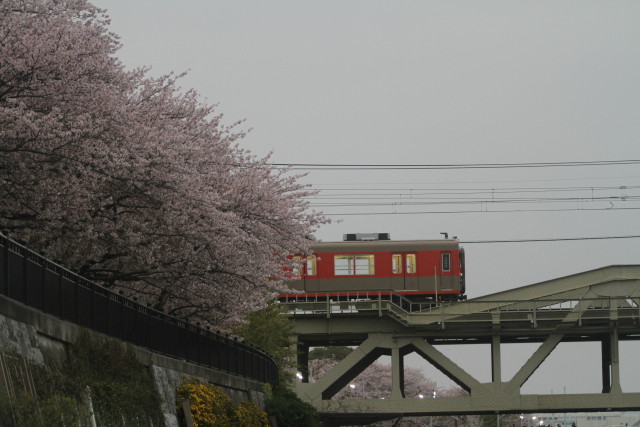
x: 396, y: 263
x: 446, y: 262
x: 296, y: 269
x: 343, y: 265
x: 348, y: 265
x: 311, y: 266
x: 411, y: 263
x: 364, y: 264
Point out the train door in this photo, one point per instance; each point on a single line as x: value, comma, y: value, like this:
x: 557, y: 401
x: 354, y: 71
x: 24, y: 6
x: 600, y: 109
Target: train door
x: 404, y: 271
x: 445, y: 281
x: 307, y: 270
x: 311, y: 274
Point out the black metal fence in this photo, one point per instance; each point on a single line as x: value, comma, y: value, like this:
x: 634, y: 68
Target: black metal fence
x: 39, y: 283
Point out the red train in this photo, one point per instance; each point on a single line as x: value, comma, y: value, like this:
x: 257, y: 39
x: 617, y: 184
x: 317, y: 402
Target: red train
x: 421, y: 270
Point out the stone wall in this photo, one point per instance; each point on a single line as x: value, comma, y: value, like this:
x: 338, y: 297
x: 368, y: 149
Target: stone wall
x: 41, y: 338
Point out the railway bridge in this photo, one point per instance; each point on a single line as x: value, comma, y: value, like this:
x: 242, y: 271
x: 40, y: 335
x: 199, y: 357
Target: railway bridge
x: 601, y: 305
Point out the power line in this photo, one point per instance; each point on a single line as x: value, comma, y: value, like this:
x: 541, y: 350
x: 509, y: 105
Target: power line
x: 408, y: 191
x: 475, y: 181
x: 477, y: 211
x: 337, y: 166
x: 559, y: 239
x: 353, y: 197
x: 440, y: 200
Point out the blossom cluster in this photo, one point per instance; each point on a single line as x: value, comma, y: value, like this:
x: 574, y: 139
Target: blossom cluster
x: 375, y: 382
x: 132, y: 181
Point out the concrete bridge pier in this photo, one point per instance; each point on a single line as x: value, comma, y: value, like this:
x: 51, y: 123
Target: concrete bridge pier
x: 611, y: 363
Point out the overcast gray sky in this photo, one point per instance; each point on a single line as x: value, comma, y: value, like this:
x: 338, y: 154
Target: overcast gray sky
x: 425, y: 82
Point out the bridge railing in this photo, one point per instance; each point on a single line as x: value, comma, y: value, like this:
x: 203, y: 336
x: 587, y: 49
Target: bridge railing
x: 533, y: 311
x: 39, y: 283
x: 354, y: 301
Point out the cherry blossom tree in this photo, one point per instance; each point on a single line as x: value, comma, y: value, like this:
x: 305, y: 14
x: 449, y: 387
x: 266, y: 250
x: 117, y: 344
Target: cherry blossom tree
x: 132, y: 181
x: 375, y: 381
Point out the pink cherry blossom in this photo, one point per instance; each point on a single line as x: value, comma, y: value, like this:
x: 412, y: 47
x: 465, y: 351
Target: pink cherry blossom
x: 375, y: 381
x: 132, y: 181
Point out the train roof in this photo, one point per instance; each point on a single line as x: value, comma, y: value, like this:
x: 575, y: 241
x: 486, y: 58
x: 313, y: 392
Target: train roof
x: 386, y: 246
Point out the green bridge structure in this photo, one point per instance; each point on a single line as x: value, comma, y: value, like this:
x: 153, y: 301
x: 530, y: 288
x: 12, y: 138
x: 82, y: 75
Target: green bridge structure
x: 601, y: 305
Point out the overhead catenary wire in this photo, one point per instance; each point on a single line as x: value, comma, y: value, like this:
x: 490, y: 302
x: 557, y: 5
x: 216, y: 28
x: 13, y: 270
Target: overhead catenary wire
x: 489, y: 195
x: 418, y: 201
x: 475, y: 181
x: 435, y: 190
x: 401, y: 197
x: 555, y: 239
x: 348, y: 166
x: 483, y: 211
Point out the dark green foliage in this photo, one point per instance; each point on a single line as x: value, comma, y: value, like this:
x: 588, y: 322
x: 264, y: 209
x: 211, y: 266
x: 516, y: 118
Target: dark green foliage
x: 56, y: 410
x: 290, y: 411
x: 271, y: 330
x: 119, y: 386
x: 55, y: 402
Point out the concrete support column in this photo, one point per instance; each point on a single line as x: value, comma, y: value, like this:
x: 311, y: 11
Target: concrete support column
x: 496, y: 367
x: 614, y: 362
x: 397, y: 374
x: 605, y: 351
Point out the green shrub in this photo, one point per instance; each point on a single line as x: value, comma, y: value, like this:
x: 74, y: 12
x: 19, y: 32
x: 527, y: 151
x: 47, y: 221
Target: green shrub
x: 41, y: 396
x: 291, y: 411
x: 55, y: 410
x: 120, y: 387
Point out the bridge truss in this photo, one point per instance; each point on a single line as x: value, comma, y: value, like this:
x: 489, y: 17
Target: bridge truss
x: 601, y: 305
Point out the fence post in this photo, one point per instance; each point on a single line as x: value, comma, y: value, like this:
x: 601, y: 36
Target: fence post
x: 4, y: 271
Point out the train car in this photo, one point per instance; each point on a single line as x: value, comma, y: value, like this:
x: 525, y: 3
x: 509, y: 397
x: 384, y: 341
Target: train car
x: 421, y: 270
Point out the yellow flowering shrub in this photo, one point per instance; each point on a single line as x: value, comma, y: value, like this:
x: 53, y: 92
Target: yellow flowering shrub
x: 210, y: 407
x: 248, y: 414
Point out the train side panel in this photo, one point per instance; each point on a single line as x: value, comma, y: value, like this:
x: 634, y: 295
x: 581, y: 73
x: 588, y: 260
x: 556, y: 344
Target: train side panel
x: 420, y: 269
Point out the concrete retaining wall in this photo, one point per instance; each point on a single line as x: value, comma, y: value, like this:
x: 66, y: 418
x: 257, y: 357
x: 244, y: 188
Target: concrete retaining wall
x: 39, y: 337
